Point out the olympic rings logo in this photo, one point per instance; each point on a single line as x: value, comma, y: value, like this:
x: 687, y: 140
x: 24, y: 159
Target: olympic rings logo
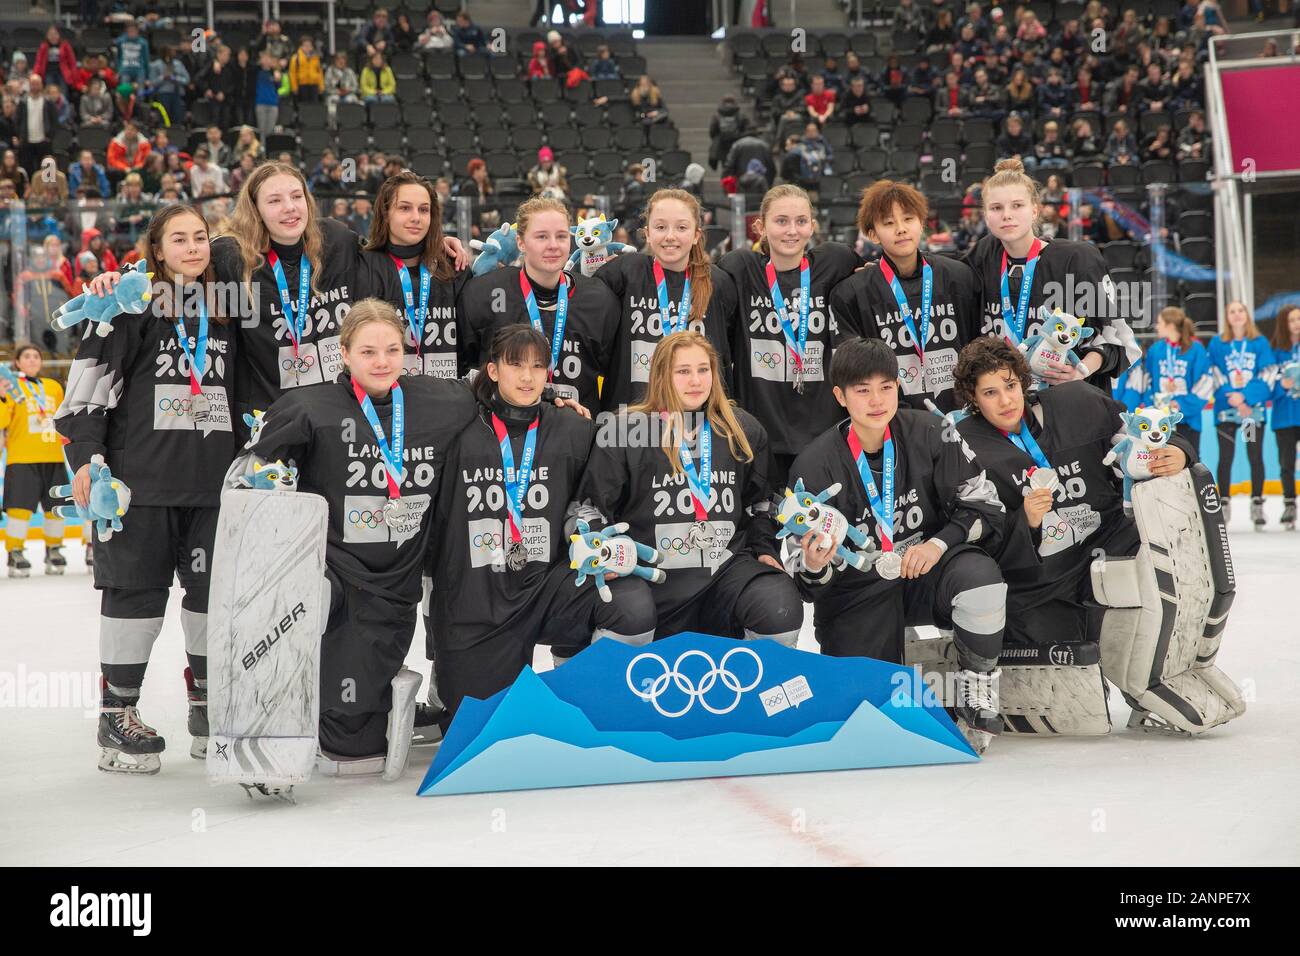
x: 642, y: 359
x: 366, y: 519
x: 302, y: 363
x: 174, y: 406
x: 909, y: 373
x: 768, y: 359
x: 680, y: 545
x: 487, y: 540
x: 715, y: 673
x: 1057, y: 531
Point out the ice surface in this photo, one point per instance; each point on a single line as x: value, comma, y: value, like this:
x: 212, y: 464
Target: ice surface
x: 1229, y: 797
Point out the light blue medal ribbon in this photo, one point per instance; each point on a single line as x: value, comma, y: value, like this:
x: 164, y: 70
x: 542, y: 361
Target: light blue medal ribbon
x: 900, y: 297
x: 699, y: 481
x: 796, y: 340
x: 1013, y: 321
x: 294, y: 319
x: 535, y: 316
x: 393, y: 452
x: 881, y: 506
x: 416, y: 312
x: 683, y: 319
x: 516, y: 482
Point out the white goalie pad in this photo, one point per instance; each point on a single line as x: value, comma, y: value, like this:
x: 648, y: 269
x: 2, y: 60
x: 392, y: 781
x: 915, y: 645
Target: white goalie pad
x: 1167, y: 606
x: 1054, y: 689
x: 267, y: 608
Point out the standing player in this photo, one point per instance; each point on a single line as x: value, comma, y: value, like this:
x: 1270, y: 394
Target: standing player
x: 35, y: 462
x: 154, y: 399
x: 375, y: 450
x: 575, y: 313
x: 1175, y: 371
x: 1025, y: 277
x: 670, y: 288
x: 925, y: 308
x: 1241, y: 362
x: 687, y: 471
x: 911, y: 486
x: 785, y: 330
x: 499, y: 559
x: 405, y: 264
x: 1286, y: 402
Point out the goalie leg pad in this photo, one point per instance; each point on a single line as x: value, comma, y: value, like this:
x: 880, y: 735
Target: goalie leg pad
x: 401, y: 722
x: 266, y: 613
x: 1166, y: 608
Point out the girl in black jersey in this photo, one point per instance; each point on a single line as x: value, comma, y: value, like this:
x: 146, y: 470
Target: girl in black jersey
x: 404, y: 263
x: 1025, y: 277
x: 670, y: 287
x: 576, y: 314
x: 1043, y: 452
x: 783, y: 336
x: 375, y: 449
x: 153, y: 399
x: 499, y: 559
x: 687, y: 471
x: 924, y: 307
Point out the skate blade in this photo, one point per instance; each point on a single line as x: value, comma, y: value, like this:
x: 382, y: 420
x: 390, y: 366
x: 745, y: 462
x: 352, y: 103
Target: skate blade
x: 199, y: 748
x: 54, y: 571
x: 15, y: 573
x: 283, y: 794
x: 1149, y: 723
x: 979, y: 740
x: 114, y: 761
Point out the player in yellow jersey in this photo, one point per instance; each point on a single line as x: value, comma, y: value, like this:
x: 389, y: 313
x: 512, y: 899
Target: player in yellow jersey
x: 27, y: 406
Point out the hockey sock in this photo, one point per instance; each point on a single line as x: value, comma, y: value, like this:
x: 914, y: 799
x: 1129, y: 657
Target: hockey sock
x: 53, y: 531
x: 130, y: 621
x: 16, y: 528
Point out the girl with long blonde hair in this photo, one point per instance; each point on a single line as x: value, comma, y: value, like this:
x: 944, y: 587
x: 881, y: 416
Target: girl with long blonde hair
x: 1241, y: 361
x: 670, y: 287
x: 687, y: 471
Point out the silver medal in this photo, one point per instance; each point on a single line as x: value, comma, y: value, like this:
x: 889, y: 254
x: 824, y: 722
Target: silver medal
x: 889, y: 565
x: 798, y: 379
x: 393, y: 509
x: 700, y: 535
x: 200, y: 408
x: 516, y: 555
x: 1044, y: 478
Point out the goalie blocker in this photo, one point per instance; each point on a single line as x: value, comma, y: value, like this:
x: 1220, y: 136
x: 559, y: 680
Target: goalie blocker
x: 1158, y: 622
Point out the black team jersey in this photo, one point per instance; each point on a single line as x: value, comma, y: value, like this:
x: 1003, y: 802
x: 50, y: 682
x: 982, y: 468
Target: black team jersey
x: 494, y: 300
x: 640, y: 326
x: 438, y: 352
x: 323, y: 431
x: 864, y: 304
x: 763, y: 368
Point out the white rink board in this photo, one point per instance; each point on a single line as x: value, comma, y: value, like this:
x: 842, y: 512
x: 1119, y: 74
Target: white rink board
x: 1126, y: 799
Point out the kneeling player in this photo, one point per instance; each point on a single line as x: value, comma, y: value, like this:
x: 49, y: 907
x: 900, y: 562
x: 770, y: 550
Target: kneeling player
x: 687, y: 471
x: 912, y: 485
x: 500, y: 567
x: 1044, y: 452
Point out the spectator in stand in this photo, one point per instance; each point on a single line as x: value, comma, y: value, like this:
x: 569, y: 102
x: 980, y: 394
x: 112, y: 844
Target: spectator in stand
x: 924, y: 79
x: 127, y: 152
x: 320, y: 179
x: 247, y: 143
x: 180, y: 176
x: 272, y: 40
x: 820, y: 102
x: 218, y: 151
x: 1086, y: 146
x: 971, y: 47
x: 1187, y: 89
x: 1124, y: 95
x: 975, y: 17
x: 788, y: 101
x: 1154, y: 91
x: 727, y: 126
x: 942, y: 35
x: 746, y: 150
x: 604, y: 67
x: 243, y: 169
x: 241, y: 95
x: 375, y: 37
x: 856, y: 106
x: 306, y: 78
x: 1053, y: 193
x: 909, y: 16
x: 832, y: 77
x: 1015, y: 142
x: 950, y: 101
x: 48, y: 185
x: 341, y: 84
x: 435, y: 35
x: 1055, y: 98
x: 36, y: 120
x: 87, y: 269
x: 1022, y: 95
x: 1049, y: 223
x: 96, y: 105
x: 358, y: 220
x: 478, y: 185
x: 168, y: 79
x: 205, y: 172
x: 467, y: 36
x: 151, y: 176
x: 1050, y: 152
x: 88, y: 212
x: 56, y: 63
x: 984, y: 100
x: 132, y: 213
x: 539, y: 64
x: 853, y: 67
x: 1159, y: 145
x: 378, y: 85
x: 1030, y: 32
x: 403, y: 33
x: 63, y: 111
x: 562, y: 58
x: 548, y: 178
x: 893, y: 79
x: 1087, y: 91
x: 88, y: 172
x: 267, y: 100
x: 648, y: 101
x: 94, y: 241
x: 132, y: 55
x: 1128, y: 31
x: 1121, y: 147
x: 1193, y: 141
